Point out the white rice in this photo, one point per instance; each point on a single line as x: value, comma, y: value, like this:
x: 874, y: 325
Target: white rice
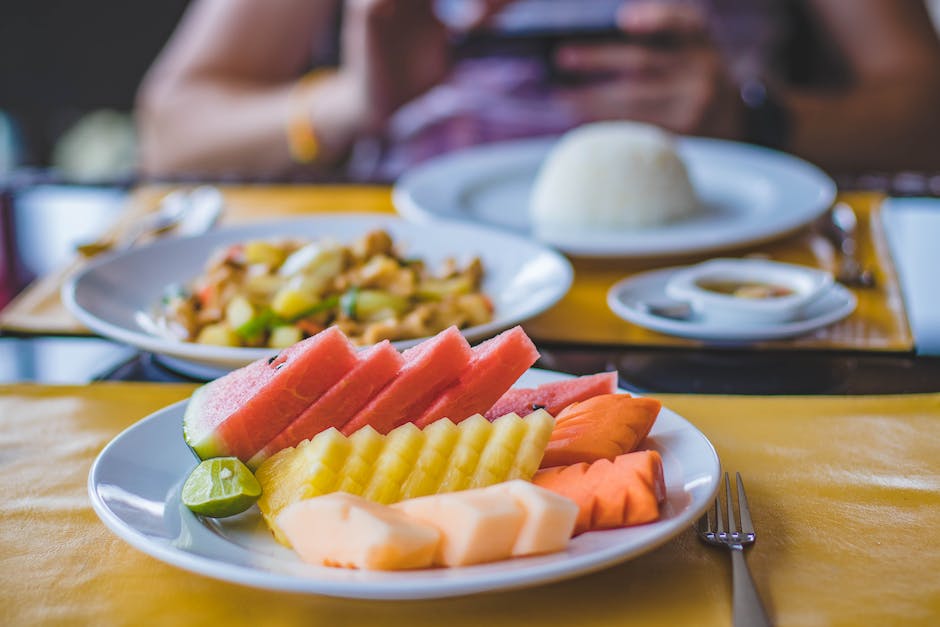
x: 611, y: 176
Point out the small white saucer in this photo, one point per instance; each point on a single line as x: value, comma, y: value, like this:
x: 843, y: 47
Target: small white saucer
x: 780, y: 292
x: 629, y: 299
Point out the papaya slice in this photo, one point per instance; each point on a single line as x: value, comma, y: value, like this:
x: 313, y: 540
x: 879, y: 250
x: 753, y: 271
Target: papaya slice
x: 624, y: 492
x: 601, y: 427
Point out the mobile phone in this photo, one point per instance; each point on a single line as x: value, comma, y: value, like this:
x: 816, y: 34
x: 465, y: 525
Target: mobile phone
x: 542, y: 44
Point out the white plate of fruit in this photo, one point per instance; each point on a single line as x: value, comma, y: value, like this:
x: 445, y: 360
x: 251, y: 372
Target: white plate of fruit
x: 360, y: 479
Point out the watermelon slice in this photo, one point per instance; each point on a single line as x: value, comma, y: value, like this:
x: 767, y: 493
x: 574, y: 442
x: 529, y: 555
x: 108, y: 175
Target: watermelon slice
x: 430, y: 368
x: 236, y: 415
x: 496, y: 364
x: 377, y: 366
x: 555, y: 396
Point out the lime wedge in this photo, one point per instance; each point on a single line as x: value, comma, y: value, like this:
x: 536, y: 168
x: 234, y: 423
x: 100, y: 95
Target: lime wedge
x: 220, y: 487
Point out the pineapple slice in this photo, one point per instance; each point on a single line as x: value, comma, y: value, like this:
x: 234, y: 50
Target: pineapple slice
x: 499, y: 453
x: 532, y: 447
x: 309, y: 469
x: 402, y: 447
x: 440, y: 438
x: 326, y: 457
x: 475, y: 432
x: 366, y: 446
x: 406, y: 463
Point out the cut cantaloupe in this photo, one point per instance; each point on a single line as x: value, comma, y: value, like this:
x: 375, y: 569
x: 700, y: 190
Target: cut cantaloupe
x: 619, y: 493
x: 352, y: 532
x: 510, y: 519
x: 549, y: 518
x: 601, y: 427
x: 476, y: 526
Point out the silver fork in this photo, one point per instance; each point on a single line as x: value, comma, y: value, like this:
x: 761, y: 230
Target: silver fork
x: 748, y: 609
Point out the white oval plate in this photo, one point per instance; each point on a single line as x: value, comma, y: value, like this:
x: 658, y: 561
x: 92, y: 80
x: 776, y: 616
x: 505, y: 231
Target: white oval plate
x: 625, y: 299
x: 135, y: 485
x: 116, y: 296
x: 751, y: 194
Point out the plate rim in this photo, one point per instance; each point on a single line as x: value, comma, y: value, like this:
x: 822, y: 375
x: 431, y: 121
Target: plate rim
x: 729, y: 333
x: 404, y: 189
x: 509, y: 580
x: 229, y: 357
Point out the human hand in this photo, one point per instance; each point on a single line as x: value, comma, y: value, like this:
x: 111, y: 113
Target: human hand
x: 682, y: 85
x: 392, y: 51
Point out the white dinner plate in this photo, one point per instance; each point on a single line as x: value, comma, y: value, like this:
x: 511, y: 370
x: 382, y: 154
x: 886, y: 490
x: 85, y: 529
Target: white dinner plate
x: 629, y: 299
x: 135, y: 485
x: 750, y: 195
x: 118, y: 296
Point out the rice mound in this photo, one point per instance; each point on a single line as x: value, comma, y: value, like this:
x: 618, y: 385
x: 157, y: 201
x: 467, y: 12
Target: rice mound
x: 611, y: 176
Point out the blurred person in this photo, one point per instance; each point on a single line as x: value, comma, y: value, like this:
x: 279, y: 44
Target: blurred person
x: 847, y: 85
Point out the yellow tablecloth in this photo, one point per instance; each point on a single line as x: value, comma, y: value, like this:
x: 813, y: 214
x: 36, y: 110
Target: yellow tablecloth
x: 845, y: 495
x: 582, y: 317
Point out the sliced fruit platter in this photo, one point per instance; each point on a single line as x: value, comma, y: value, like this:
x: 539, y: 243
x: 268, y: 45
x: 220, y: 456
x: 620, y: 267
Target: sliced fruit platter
x: 459, y: 468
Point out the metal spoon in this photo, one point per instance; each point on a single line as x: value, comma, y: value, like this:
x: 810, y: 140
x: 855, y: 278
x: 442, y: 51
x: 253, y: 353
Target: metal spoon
x: 188, y: 212
x: 206, y: 205
x: 845, y: 235
x: 672, y: 309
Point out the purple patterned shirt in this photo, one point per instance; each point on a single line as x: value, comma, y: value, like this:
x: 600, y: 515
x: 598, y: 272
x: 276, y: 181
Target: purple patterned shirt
x: 490, y: 99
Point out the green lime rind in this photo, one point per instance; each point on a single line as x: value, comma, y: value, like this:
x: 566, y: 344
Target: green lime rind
x: 220, y: 487
x: 196, y: 433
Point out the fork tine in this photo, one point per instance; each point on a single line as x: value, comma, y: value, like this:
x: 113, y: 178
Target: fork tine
x: 746, y: 525
x: 732, y: 523
x: 719, y: 523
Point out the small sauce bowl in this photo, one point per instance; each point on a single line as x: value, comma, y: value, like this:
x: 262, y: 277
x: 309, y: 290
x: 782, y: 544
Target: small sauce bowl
x: 748, y: 291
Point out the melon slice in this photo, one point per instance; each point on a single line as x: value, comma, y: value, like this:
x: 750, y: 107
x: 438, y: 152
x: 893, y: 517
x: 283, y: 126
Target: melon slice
x: 376, y: 367
x: 496, y: 364
x: 507, y: 519
x: 351, y: 532
x: 430, y: 367
x: 553, y: 397
x: 549, y: 518
x: 236, y: 415
x: 476, y: 526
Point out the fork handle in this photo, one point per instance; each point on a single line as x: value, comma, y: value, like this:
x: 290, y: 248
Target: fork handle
x: 748, y: 609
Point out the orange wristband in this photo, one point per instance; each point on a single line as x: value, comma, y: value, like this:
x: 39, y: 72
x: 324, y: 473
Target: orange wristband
x: 301, y: 135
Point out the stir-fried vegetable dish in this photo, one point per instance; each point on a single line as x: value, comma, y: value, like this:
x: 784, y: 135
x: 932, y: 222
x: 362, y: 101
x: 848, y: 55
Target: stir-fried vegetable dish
x: 275, y: 293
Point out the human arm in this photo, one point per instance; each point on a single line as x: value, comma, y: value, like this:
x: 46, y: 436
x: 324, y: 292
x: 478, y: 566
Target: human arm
x: 218, y: 98
x: 888, y: 117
